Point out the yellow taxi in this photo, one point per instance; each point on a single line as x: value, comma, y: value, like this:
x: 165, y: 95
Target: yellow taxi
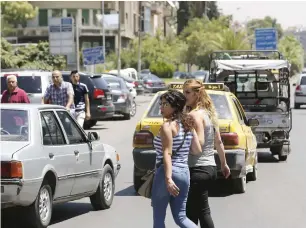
x: 236, y: 132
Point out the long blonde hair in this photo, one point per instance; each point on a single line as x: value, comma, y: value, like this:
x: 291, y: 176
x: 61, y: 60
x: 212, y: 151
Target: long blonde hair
x: 204, y: 101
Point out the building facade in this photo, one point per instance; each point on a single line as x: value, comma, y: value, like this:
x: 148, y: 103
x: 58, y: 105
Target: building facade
x: 154, y: 16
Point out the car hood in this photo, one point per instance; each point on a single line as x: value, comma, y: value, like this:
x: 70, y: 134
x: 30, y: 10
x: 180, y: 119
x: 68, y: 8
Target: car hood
x: 8, y: 148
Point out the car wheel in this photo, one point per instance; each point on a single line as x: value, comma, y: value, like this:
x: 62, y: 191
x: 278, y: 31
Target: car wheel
x: 296, y: 106
x: 104, y: 195
x: 240, y: 185
x: 282, y: 157
x: 253, y: 175
x: 133, y: 108
x: 40, y: 212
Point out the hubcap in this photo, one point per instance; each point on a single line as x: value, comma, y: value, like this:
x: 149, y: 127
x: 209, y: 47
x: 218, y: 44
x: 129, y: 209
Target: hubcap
x: 44, y: 205
x: 108, y: 186
x: 133, y: 109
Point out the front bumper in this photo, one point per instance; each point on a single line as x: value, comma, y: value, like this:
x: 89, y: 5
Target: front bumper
x: 144, y: 159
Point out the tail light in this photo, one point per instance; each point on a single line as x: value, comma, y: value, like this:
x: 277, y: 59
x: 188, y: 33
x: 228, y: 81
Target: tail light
x: 143, y: 138
x: 136, y: 83
x: 298, y: 88
x: 98, y: 94
x: 149, y: 83
x: 230, y: 139
x: 12, y: 169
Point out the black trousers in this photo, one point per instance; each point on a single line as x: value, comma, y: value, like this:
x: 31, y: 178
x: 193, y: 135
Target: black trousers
x: 197, y: 203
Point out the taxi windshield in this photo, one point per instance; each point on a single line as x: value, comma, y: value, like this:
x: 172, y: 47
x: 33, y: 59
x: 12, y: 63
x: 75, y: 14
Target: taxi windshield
x: 220, y: 102
x: 14, y: 125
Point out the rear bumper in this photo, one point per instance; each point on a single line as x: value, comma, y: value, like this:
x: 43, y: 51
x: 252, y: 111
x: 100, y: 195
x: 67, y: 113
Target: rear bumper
x: 121, y: 107
x: 101, y: 112
x: 16, y: 192
x: 300, y: 99
x: 144, y: 159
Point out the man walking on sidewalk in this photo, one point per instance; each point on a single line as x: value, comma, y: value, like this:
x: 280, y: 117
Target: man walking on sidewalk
x: 81, y: 99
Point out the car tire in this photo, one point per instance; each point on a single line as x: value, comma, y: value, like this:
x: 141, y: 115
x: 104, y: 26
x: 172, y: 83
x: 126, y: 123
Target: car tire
x: 240, y: 185
x: 44, y: 200
x: 103, y: 197
x: 254, y: 174
x: 133, y: 108
x: 282, y: 157
x: 297, y: 106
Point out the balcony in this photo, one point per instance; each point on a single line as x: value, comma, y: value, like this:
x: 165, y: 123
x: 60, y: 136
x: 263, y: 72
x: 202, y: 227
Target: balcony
x: 33, y: 32
x: 156, y: 8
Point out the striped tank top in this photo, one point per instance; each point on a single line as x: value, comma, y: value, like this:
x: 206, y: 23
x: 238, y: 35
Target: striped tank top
x: 181, y: 156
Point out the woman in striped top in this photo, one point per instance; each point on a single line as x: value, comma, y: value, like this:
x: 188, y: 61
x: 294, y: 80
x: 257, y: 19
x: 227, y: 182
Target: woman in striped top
x: 173, y: 144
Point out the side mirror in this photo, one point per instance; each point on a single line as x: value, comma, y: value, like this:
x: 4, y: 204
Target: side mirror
x: 93, y: 136
x: 294, y: 84
x: 253, y: 122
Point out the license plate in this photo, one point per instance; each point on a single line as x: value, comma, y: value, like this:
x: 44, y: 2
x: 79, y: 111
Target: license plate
x: 259, y: 137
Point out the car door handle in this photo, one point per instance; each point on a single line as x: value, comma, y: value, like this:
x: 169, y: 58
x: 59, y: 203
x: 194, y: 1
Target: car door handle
x: 76, y: 152
x: 51, y: 155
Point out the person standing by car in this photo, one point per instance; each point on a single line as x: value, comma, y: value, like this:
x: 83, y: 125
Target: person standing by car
x: 173, y: 143
x: 60, y: 93
x: 202, y: 166
x: 81, y: 99
x: 14, y: 94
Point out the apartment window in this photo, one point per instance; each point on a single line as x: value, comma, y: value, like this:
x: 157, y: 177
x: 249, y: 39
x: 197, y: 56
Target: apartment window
x: 95, y: 12
x: 135, y: 22
x: 43, y: 17
x: 72, y: 13
x: 57, y: 13
x: 85, y: 17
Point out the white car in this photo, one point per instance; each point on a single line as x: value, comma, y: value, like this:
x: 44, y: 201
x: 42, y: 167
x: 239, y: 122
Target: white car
x: 300, y: 92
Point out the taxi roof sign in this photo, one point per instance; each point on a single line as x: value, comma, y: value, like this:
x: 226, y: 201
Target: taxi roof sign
x: 208, y: 86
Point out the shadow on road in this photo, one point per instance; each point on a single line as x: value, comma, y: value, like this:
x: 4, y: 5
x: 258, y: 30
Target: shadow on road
x: 12, y: 218
x: 266, y: 157
x: 129, y: 191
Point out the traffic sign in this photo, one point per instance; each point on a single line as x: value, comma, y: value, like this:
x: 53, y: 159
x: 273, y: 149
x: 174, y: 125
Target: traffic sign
x: 266, y: 39
x: 61, y: 36
x: 93, y: 56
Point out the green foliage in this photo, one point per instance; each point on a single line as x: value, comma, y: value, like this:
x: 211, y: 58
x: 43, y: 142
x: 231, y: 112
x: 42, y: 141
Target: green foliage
x: 14, y: 13
x: 267, y: 22
x: 292, y: 50
x: 30, y: 57
x: 162, y: 69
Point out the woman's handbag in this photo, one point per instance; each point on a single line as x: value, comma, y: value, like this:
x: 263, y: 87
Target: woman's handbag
x: 145, y: 189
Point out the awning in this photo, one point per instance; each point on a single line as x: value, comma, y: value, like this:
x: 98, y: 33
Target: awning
x: 247, y: 64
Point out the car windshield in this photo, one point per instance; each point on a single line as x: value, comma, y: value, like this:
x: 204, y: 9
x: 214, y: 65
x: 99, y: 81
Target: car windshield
x: 220, y: 102
x: 113, y: 83
x: 14, y: 125
x: 30, y: 84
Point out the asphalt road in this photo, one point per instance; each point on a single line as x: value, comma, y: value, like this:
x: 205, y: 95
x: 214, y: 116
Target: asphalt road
x: 276, y: 199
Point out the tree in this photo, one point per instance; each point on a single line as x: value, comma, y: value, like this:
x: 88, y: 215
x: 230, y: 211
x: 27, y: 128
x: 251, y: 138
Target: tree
x: 30, y: 57
x: 292, y: 50
x: 267, y: 22
x: 15, y: 13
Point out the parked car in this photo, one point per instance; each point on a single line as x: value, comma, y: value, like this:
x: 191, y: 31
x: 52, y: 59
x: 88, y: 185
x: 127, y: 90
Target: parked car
x: 100, y: 98
x: 122, y: 98
x: 33, y: 82
x: 236, y: 133
x: 300, y: 92
x: 153, y: 84
x: 47, y: 158
x: 201, y: 75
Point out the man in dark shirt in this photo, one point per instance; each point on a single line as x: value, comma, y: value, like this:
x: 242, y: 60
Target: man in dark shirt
x: 81, y: 99
x: 13, y: 94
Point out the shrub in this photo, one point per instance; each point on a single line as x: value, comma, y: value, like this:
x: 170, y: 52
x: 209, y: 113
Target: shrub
x: 162, y: 69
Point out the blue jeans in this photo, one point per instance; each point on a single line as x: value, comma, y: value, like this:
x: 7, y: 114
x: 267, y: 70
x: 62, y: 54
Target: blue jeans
x: 161, y: 197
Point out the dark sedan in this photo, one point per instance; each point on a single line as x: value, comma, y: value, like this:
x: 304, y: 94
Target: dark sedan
x: 122, y: 98
x: 153, y: 84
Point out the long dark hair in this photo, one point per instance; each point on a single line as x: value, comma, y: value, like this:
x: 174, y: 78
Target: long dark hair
x: 177, y: 101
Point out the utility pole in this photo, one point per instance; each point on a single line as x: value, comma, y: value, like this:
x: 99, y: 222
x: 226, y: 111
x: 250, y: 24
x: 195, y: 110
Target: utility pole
x: 77, y: 42
x: 139, y: 39
x: 119, y: 40
x: 103, y: 36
